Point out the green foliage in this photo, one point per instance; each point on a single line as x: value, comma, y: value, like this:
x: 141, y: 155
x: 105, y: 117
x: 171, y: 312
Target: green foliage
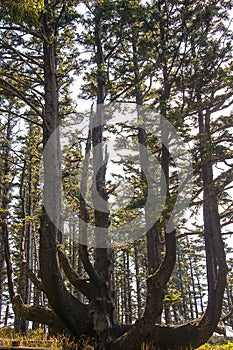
x: 227, y: 346
x: 172, y: 297
x: 21, y: 12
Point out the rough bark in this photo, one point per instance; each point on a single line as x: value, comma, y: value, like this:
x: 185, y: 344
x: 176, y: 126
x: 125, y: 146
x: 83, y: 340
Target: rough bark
x: 155, y: 286
x: 38, y: 314
x: 102, y: 305
x: 65, y: 305
x: 81, y: 284
x: 138, y: 283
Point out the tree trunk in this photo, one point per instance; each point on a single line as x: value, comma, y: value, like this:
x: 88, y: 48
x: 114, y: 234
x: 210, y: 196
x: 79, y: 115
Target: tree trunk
x: 67, y: 307
x: 138, y: 284
x: 102, y: 304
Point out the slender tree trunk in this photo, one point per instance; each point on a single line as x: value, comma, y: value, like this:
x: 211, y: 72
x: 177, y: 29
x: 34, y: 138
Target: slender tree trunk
x: 6, y: 315
x: 125, y: 294
x: 138, y: 284
x: 200, y: 292
x: 183, y: 295
x: 5, y: 200
x: 129, y: 296
x: 194, y: 295
x: 2, y: 273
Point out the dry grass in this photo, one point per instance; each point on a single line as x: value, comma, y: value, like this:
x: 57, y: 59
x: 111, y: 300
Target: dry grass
x: 39, y: 339
x: 34, y: 339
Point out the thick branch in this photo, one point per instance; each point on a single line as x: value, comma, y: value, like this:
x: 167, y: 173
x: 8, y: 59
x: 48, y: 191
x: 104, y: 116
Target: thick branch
x: 37, y: 313
x: 79, y: 283
x: 83, y: 251
x: 87, y: 263
x: 156, y: 282
x: 186, y: 336
x: 32, y: 276
x: 220, y: 329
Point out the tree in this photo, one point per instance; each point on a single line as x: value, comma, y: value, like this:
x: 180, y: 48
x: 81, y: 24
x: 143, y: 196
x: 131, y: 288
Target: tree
x: 7, y: 178
x: 193, y: 96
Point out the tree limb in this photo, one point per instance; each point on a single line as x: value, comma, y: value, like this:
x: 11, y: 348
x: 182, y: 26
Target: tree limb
x: 83, y: 251
x: 25, y: 58
x: 37, y: 313
x: 23, y: 117
x: 79, y: 283
x: 32, y: 276
x: 227, y: 316
x: 15, y: 92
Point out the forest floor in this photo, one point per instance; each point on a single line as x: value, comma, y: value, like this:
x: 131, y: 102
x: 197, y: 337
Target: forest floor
x: 37, y: 340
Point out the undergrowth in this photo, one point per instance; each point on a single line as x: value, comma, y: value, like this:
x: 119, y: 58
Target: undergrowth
x: 37, y: 338
x: 216, y: 346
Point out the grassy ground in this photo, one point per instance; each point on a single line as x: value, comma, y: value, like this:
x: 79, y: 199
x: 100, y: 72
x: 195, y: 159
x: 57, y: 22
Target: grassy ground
x: 219, y: 344
x: 39, y: 339
x: 34, y: 339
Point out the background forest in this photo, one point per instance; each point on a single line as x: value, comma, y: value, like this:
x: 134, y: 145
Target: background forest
x: 61, y: 57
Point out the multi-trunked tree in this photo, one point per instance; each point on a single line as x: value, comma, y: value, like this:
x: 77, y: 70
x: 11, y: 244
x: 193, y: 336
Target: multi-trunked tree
x: 140, y: 40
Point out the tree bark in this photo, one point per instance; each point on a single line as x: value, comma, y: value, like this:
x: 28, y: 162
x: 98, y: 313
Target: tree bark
x: 73, y: 313
x: 103, y: 303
